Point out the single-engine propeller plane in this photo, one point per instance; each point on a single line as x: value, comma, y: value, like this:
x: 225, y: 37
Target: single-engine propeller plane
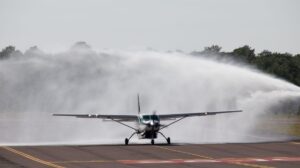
x: 148, y: 126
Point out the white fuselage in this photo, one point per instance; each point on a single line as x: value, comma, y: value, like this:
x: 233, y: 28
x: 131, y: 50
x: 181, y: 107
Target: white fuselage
x: 148, y: 126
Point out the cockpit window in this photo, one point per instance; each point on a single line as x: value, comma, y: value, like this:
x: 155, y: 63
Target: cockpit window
x: 150, y: 117
x: 155, y: 117
x: 146, y: 117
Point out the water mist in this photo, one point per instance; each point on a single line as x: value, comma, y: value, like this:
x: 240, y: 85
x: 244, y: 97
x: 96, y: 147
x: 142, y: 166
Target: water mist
x: 80, y: 80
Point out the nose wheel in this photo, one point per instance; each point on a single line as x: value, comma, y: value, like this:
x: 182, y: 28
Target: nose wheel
x: 152, y: 141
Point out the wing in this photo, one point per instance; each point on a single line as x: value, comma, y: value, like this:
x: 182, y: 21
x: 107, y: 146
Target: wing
x: 101, y: 116
x: 183, y: 115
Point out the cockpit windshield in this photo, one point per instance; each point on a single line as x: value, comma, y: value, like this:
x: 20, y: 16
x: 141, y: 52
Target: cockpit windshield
x: 150, y: 117
x: 146, y: 117
x: 155, y: 117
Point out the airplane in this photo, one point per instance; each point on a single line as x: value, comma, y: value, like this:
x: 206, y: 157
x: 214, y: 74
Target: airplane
x: 148, y: 126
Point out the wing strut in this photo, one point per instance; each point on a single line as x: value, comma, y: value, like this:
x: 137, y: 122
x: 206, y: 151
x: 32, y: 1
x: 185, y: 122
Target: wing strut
x: 173, y: 122
x: 124, y: 124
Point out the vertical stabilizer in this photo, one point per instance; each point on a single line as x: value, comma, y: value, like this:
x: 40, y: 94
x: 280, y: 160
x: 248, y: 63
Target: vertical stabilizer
x: 139, y: 107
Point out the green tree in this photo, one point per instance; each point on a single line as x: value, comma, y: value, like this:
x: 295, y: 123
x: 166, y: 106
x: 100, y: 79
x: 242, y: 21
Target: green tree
x: 244, y: 53
x: 296, y: 59
x: 212, y: 50
x: 278, y: 64
x: 6, y: 52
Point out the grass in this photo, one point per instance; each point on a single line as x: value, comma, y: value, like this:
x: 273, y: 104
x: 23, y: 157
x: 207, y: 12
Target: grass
x: 281, y: 124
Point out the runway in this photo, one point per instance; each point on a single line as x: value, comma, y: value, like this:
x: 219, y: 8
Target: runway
x: 260, y: 155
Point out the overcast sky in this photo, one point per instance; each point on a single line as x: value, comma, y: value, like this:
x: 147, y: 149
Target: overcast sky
x: 54, y: 25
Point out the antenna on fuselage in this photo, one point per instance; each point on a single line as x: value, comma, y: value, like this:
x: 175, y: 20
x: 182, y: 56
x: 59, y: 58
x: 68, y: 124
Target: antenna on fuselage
x: 139, y: 107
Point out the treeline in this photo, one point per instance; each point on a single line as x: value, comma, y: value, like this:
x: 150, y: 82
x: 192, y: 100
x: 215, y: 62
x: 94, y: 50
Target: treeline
x: 282, y: 65
x: 7, y: 52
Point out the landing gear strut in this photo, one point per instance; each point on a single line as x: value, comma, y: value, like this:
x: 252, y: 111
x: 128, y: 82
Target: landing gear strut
x: 127, y: 139
x: 152, y: 141
x: 167, y: 139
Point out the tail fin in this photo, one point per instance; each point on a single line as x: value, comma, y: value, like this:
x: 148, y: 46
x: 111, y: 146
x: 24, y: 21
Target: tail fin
x: 139, y: 107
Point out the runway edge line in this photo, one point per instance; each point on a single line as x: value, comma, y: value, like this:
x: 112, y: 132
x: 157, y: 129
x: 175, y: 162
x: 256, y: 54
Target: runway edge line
x: 31, y: 157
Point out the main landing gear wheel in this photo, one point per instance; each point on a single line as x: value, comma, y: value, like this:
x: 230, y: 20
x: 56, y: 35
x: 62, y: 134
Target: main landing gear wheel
x: 127, y: 139
x: 169, y: 140
x: 152, y: 141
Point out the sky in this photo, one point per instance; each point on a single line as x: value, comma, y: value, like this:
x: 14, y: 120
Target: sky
x: 188, y: 25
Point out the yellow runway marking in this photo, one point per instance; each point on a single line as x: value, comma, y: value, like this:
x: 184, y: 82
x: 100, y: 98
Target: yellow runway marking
x: 32, y: 157
x: 207, y: 157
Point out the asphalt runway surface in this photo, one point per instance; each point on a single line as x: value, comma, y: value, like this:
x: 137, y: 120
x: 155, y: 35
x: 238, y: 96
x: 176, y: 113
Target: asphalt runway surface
x: 260, y: 155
